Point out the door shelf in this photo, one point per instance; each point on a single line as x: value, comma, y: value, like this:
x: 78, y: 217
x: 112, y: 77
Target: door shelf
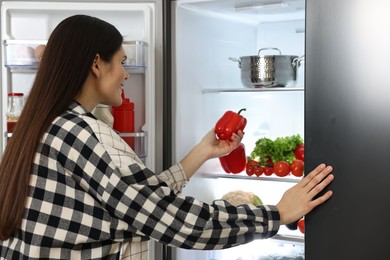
x: 138, y: 142
x: 242, y: 176
x: 24, y: 55
x: 277, y: 89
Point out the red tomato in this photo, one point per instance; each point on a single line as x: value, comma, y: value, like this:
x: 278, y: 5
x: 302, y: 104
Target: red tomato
x: 299, y: 152
x: 251, y: 167
x: 297, y: 168
x: 301, y: 225
x: 270, y: 163
x: 281, y: 168
x: 259, y: 171
x: 268, y: 171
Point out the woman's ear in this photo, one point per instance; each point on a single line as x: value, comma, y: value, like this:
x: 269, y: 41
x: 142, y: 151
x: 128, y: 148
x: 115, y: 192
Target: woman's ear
x: 95, y: 66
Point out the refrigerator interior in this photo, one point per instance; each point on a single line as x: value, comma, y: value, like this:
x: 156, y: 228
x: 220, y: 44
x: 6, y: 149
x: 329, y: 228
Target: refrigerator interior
x: 25, y: 25
x: 207, y: 83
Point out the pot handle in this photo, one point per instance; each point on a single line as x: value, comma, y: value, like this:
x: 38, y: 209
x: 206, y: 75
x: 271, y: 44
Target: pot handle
x: 236, y: 60
x: 297, y: 61
x: 270, y: 48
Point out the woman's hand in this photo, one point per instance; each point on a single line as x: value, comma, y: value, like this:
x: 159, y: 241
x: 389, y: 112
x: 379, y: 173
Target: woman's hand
x: 298, y: 200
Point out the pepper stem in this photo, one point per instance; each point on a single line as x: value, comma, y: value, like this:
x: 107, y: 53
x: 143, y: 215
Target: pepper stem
x: 242, y: 109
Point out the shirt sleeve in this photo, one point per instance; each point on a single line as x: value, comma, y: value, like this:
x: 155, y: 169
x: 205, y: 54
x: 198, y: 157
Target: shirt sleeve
x: 149, y: 203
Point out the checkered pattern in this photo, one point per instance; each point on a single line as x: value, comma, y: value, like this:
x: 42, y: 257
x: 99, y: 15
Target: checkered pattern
x: 91, y: 198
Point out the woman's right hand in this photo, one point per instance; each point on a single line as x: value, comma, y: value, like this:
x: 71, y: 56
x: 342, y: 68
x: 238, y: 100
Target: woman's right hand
x: 299, y: 200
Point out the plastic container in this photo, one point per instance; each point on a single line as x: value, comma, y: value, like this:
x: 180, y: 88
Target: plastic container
x: 14, y: 109
x: 124, y: 119
x: 23, y: 53
x: 136, y: 53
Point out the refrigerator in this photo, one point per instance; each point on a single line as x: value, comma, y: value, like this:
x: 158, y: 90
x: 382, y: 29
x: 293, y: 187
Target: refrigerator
x: 348, y: 126
x: 26, y: 25
x: 207, y: 36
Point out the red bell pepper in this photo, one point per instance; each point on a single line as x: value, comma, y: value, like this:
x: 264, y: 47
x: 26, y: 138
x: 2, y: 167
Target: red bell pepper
x: 234, y: 162
x: 230, y: 123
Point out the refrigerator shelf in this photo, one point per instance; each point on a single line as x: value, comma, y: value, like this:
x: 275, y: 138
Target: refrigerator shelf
x: 246, y: 177
x: 135, y: 69
x: 218, y: 90
x: 289, y: 238
x: 22, y: 68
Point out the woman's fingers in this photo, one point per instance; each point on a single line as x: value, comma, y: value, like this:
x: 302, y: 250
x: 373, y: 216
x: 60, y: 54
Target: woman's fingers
x: 316, y: 176
x: 318, y: 201
x: 318, y: 180
x: 321, y: 186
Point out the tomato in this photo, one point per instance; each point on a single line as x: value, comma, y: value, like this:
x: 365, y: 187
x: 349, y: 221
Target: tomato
x: 297, y: 168
x: 299, y: 152
x: 301, y: 225
x: 268, y: 171
x: 281, y: 168
x: 251, y: 167
x: 270, y: 163
x: 259, y: 171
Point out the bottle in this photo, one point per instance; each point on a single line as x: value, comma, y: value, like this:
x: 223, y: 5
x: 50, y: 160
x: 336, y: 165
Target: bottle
x: 103, y: 113
x: 14, y: 109
x: 124, y: 119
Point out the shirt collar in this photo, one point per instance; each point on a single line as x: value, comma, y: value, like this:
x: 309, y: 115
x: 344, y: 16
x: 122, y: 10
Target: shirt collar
x: 77, y: 108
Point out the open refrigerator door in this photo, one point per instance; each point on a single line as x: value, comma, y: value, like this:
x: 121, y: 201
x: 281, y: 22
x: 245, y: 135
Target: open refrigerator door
x: 208, y: 39
x: 26, y: 27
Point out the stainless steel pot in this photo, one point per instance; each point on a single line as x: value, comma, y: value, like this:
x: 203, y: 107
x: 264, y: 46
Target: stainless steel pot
x: 268, y: 70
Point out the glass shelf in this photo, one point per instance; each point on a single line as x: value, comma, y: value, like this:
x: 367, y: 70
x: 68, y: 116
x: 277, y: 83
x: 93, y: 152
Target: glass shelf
x: 242, y: 176
x: 289, y: 238
x: 277, y: 89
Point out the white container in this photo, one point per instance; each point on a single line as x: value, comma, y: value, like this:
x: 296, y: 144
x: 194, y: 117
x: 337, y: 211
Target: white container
x: 136, y: 53
x: 23, y: 53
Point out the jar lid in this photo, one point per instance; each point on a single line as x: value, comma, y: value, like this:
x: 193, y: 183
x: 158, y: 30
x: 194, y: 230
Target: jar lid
x: 12, y: 94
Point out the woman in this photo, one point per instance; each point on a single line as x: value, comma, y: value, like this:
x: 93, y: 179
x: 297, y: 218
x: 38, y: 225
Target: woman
x: 71, y: 188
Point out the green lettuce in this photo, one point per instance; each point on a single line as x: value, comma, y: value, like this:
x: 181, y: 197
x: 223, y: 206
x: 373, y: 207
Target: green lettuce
x: 281, y: 149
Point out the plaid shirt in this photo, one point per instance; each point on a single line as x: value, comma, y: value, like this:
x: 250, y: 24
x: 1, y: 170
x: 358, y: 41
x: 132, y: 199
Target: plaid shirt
x: 91, y: 197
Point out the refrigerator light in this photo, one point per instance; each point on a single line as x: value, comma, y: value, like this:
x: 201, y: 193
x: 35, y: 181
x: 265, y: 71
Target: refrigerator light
x: 261, y: 6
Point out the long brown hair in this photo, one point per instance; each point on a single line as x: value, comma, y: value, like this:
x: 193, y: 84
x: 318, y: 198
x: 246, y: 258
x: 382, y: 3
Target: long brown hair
x: 64, y: 67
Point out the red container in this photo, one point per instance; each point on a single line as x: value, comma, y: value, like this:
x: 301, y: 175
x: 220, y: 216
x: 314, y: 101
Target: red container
x: 124, y: 119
